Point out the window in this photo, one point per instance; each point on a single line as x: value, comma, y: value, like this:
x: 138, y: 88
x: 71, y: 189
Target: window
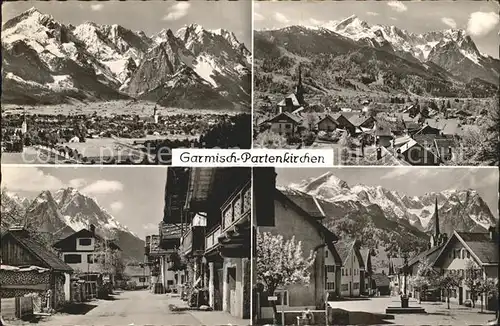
x: 345, y: 287
x: 170, y: 282
x: 330, y: 268
x: 72, y: 258
x: 355, y: 271
x: 326, y: 253
x: 288, y: 126
x: 330, y: 285
x: 355, y: 286
x: 85, y: 242
x: 142, y: 280
x: 342, y: 272
x: 282, y: 298
x: 91, y: 259
x: 468, y: 254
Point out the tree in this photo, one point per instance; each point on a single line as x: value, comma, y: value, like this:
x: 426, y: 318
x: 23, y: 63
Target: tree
x: 473, y: 278
x: 280, y: 263
x: 448, y: 283
x: 269, y: 139
x: 489, y: 288
x: 109, y: 258
x: 424, y: 278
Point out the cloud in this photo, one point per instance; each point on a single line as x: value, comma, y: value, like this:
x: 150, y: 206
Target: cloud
x: 116, y: 206
x: 481, y: 23
x: 394, y: 18
x: 258, y: 17
x: 150, y: 227
x: 96, y: 7
x: 416, y: 174
x: 371, y: 13
x: 77, y: 183
x: 279, y: 17
x: 103, y: 187
x: 178, y: 11
x: 449, y: 21
x: 30, y: 179
x: 315, y: 22
x: 397, y: 6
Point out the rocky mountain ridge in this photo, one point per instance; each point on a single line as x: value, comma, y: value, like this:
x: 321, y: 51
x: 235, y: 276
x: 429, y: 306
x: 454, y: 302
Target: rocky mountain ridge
x: 46, y: 62
x: 350, y: 54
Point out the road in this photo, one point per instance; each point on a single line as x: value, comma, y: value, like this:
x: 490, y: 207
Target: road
x: 134, y: 308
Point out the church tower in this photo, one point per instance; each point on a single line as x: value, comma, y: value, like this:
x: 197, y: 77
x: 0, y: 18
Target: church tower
x: 299, y: 90
x: 435, y: 238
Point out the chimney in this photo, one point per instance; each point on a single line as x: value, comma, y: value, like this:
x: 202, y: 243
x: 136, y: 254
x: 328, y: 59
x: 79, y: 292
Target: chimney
x: 92, y: 229
x: 493, y: 233
x: 379, y: 153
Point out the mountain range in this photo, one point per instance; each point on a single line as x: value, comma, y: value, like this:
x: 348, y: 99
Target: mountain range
x: 47, y: 62
x: 389, y: 221
x: 65, y: 211
x: 352, y: 53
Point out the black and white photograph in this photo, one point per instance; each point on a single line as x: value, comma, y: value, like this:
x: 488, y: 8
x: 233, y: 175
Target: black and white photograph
x: 379, y: 82
x: 124, y: 82
x: 375, y: 246
x: 125, y: 246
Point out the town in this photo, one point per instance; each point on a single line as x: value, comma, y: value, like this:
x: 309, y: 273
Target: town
x: 390, y: 130
x: 201, y: 266
x: 308, y: 275
x: 118, y: 139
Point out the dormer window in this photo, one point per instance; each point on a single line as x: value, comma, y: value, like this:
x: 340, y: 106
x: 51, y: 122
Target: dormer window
x: 85, y: 241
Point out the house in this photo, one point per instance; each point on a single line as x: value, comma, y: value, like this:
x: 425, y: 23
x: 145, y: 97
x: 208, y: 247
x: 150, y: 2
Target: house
x: 428, y: 130
x: 45, y: 270
x: 88, y: 253
x: 367, y: 254
x: 416, y: 154
x: 386, y: 157
x: 291, y: 216
x: 445, y: 148
x: 382, y: 283
x: 353, y: 268
x: 213, y: 206
x: 328, y: 123
x: 140, y: 275
x: 362, y: 121
x: 480, y: 249
x: 383, y: 136
x: 343, y: 121
x: 285, y: 123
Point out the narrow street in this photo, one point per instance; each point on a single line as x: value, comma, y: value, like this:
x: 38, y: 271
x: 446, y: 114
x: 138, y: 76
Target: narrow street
x: 139, y: 308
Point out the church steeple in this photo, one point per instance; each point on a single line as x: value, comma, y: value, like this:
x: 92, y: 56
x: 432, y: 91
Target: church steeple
x: 436, y: 219
x: 299, y: 90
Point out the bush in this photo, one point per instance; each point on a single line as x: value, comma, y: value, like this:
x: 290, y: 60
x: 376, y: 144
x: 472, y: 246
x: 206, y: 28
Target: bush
x: 309, y: 139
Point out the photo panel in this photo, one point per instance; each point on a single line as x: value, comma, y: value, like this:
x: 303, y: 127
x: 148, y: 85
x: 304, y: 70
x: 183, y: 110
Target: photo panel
x: 373, y: 246
x: 379, y: 82
x: 124, y: 82
x: 121, y: 245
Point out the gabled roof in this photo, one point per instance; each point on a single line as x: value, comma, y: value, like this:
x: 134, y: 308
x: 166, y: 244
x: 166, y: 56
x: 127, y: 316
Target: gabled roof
x: 46, y: 257
x: 294, y: 99
x: 345, y: 247
x: 286, y: 115
x: 328, y: 117
x: 359, y: 119
x: 344, y: 116
x: 381, y: 279
x: 69, y: 243
x: 388, y: 158
x: 429, y: 254
x: 308, y: 203
x: 479, y: 245
x: 429, y: 129
x: 329, y: 236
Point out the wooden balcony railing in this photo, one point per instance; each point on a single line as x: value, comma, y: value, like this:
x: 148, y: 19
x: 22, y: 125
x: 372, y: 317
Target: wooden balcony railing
x: 237, y: 207
x: 212, y: 239
x: 187, y: 241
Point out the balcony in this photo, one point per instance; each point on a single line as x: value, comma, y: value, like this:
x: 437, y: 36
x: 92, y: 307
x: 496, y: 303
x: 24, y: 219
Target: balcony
x: 192, y: 242
x: 212, y: 239
x: 236, y: 209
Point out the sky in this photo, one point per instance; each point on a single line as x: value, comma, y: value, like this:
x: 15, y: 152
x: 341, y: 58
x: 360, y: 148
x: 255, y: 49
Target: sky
x: 479, y: 18
x: 133, y: 195
x: 412, y: 181
x: 147, y: 16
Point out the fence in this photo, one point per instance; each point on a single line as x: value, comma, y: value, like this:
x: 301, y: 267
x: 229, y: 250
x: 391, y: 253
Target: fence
x: 19, y: 307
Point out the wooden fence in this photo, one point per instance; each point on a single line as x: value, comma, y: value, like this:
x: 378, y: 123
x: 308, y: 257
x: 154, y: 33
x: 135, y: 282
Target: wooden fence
x: 20, y: 307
